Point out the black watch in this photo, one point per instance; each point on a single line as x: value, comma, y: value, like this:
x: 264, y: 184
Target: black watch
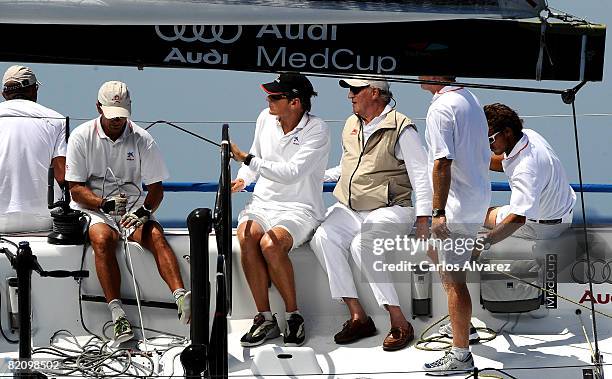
x: 486, y: 243
x: 247, y: 160
x: 437, y: 212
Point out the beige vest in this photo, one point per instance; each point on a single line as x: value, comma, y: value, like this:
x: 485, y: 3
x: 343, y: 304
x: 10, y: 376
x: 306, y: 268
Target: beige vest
x: 372, y: 177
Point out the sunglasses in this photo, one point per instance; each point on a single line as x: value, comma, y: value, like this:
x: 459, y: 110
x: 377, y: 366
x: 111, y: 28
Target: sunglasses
x: 356, y: 90
x: 277, y: 97
x: 492, y: 137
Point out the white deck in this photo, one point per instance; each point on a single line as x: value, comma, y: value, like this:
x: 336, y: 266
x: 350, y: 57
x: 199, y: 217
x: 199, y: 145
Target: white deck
x: 527, y: 347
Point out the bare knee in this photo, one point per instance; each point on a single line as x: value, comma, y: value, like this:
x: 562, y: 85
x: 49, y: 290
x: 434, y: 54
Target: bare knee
x: 153, y: 236
x: 103, y: 239
x: 272, y: 249
x: 249, y: 235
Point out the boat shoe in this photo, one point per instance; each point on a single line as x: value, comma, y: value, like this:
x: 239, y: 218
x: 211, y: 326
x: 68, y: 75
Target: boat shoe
x: 398, y: 338
x: 354, y: 330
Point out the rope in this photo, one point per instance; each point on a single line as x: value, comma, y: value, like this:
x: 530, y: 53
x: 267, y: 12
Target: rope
x: 584, y: 229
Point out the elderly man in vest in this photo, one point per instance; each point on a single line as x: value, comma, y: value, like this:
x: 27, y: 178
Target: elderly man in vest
x: 383, y: 160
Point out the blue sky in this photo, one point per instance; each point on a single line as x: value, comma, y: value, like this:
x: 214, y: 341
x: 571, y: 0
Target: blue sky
x: 222, y: 96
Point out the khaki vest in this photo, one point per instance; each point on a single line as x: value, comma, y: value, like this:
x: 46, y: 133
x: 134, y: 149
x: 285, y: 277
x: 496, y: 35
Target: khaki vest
x: 372, y: 177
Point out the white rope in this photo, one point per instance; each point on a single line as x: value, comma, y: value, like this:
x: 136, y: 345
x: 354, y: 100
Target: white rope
x: 136, y: 289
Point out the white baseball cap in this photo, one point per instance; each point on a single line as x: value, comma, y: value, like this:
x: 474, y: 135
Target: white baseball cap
x: 21, y: 76
x: 114, y: 99
x: 380, y: 84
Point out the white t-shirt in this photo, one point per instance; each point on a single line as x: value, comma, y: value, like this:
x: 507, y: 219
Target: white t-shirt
x: 457, y: 129
x: 134, y: 159
x: 31, y: 135
x: 290, y: 166
x: 540, y: 189
x: 409, y: 145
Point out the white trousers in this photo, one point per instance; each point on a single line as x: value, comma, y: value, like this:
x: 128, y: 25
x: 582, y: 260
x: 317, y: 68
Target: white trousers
x: 534, y: 230
x: 340, y: 234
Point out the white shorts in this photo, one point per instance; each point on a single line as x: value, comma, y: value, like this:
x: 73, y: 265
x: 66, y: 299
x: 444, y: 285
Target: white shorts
x: 299, y: 224
x: 98, y: 217
x: 18, y: 222
x: 534, y: 230
x: 457, y: 248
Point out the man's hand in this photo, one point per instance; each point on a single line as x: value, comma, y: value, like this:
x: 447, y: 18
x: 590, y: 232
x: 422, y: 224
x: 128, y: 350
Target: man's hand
x: 439, y: 228
x: 237, y: 154
x: 115, y: 206
x: 422, y: 227
x: 136, y: 219
x: 238, y: 185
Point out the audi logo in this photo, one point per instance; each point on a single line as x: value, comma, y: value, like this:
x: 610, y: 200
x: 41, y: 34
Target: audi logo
x: 203, y: 33
x: 599, y: 271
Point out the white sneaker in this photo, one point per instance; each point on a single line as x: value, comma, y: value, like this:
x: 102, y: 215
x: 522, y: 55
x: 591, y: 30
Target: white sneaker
x: 261, y: 331
x: 447, y: 331
x: 183, y: 304
x: 450, y: 365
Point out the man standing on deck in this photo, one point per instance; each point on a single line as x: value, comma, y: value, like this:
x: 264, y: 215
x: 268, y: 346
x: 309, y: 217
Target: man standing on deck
x: 108, y: 159
x: 32, y: 139
x: 289, y: 155
x: 459, y: 156
x: 383, y: 160
x: 542, y: 200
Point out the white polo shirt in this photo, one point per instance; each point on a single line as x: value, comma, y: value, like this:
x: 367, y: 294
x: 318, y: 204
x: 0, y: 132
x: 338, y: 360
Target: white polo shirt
x: 134, y: 158
x: 457, y: 129
x: 540, y: 189
x: 288, y: 167
x: 31, y: 135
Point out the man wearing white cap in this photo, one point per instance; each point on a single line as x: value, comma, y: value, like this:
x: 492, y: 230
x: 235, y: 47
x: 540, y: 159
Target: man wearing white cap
x: 32, y: 139
x: 107, y: 161
x: 383, y: 162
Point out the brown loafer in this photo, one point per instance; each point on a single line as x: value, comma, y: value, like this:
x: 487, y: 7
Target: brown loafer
x: 398, y: 338
x: 354, y: 330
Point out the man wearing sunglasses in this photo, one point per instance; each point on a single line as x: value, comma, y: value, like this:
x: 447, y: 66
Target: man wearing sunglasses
x: 382, y: 164
x: 542, y: 200
x: 32, y: 138
x: 288, y: 158
x: 456, y: 135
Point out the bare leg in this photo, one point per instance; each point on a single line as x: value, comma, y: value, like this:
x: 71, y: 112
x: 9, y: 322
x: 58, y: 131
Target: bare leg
x: 396, y: 317
x: 275, y: 246
x: 459, y: 307
x: 104, y: 243
x: 355, y: 309
x: 253, y: 263
x: 151, y: 237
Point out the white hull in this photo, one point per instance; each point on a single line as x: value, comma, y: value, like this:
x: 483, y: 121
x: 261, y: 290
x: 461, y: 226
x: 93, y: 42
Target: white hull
x: 543, y: 345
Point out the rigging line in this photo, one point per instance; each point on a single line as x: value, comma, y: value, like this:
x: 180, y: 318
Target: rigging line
x: 584, y: 229
x: 552, y: 292
x: 183, y: 130
x: 460, y: 84
x: 421, y: 118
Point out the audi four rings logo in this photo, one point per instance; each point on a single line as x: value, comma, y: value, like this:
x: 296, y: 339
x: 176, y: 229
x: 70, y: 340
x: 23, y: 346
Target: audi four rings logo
x: 599, y: 271
x: 202, y: 33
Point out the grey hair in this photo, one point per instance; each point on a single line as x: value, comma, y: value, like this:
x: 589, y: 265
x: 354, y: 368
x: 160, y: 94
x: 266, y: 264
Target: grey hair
x: 386, y: 96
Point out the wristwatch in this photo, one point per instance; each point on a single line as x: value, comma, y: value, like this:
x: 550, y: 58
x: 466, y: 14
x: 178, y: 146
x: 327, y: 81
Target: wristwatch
x: 247, y: 160
x: 437, y: 212
x: 486, y: 243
